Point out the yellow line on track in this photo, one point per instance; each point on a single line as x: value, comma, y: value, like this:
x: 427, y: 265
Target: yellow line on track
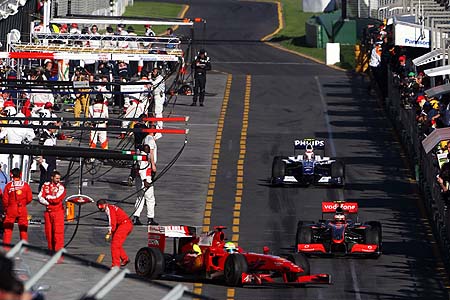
x: 214, y: 162
x: 182, y: 14
x: 280, y: 22
x: 240, y: 172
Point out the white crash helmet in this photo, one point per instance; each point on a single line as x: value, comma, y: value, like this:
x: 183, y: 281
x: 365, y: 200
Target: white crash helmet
x: 309, y: 153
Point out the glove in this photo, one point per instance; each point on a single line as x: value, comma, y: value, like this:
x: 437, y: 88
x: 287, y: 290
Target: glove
x: 43, y: 202
x: 108, y: 237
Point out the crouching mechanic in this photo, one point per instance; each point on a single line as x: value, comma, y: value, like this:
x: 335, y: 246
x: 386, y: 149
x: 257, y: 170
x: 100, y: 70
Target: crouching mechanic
x: 120, y: 226
x: 16, y: 197
x: 52, y: 195
x: 192, y: 260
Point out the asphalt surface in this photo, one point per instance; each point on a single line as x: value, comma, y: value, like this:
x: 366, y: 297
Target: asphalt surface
x: 290, y: 97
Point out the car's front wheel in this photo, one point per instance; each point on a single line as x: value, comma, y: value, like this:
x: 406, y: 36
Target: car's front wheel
x: 278, y: 169
x: 235, y: 266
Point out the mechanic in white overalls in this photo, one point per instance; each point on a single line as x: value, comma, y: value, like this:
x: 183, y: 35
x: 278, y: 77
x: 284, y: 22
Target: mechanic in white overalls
x: 159, y: 97
x: 16, y: 135
x: 98, y: 110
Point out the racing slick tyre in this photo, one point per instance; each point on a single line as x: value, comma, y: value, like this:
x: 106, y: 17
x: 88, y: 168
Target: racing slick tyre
x: 235, y: 266
x: 338, y: 170
x: 302, y: 261
x: 149, y: 263
x: 303, y: 235
x: 278, y: 170
x: 373, y: 235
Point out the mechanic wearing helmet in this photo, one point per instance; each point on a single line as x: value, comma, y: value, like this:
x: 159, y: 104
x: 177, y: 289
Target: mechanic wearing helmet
x: 16, y: 197
x: 98, y: 110
x: 120, y: 226
x: 200, y: 65
x: 192, y: 260
x: 230, y: 247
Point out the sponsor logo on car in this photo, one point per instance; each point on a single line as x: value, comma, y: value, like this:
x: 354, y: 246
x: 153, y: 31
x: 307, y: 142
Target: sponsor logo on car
x: 314, y: 143
x: 343, y: 206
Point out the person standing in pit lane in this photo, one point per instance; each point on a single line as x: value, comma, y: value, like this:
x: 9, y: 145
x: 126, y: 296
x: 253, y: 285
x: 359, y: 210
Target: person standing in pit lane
x: 120, y: 226
x: 52, y: 196
x: 158, y: 87
x: 138, y: 139
x: 47, y: 164
x: 98, y: 110
x: 16, y: 197
x: 144, y: 182
x: 200, y: 65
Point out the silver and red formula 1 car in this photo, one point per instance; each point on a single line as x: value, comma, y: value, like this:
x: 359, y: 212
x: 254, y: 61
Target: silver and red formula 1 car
x: 343, y: 234
x: 207, y: 256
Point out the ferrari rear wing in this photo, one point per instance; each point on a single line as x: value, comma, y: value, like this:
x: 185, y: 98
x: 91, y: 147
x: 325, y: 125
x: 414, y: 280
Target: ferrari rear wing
x: 316, y: 144
x: 347, y: 207
x: 157, y: 234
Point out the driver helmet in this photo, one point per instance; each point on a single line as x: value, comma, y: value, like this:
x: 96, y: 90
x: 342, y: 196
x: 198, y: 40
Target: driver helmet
x: 230, y: 247
x: 339, y: 218
x: 309, y: 153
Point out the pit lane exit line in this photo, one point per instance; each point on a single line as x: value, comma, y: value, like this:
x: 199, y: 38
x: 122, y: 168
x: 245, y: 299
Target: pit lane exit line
x: 266, y: 63
x: 214, y: 162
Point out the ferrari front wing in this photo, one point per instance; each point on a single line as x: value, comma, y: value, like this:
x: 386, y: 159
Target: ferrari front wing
x: 267, y: 279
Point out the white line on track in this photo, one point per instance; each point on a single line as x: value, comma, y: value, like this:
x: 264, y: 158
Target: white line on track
x: 266, y: 63
x: 204, y: 124
x: 355, y: 280
x: 327, y: 118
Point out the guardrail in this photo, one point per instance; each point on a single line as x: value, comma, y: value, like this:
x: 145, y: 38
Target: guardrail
x: 425, y: 165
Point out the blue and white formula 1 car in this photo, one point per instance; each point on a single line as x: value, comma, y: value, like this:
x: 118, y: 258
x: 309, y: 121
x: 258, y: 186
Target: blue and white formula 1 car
x: 307, y: 168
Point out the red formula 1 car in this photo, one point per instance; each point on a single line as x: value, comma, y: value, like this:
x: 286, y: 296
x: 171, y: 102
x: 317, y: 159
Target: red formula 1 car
x: 340, y: 235
x: 207, y: 256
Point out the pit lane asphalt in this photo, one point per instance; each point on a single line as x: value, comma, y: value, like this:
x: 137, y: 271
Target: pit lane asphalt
x: 291, y: 98
x: 285, y: 104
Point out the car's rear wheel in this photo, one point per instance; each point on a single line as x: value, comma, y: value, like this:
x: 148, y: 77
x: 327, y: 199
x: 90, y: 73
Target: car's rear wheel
x: 303, y: 235
x: 373, y: 235
x: 338, y: 171
x: 235, y: 266
x: 302, y: 261
x: 149, y: 263
x: 278, y: 168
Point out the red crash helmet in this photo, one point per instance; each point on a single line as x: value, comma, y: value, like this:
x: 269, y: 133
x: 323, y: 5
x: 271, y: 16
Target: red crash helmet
x: 48, y: 105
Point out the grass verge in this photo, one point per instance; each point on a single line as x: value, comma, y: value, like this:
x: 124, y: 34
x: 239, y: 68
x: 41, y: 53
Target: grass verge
x: 152, y: 10
x: 293, y: 37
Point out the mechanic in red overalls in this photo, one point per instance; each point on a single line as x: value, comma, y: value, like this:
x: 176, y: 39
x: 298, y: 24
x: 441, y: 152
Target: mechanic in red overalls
x: 16, y: 197
x: 120, y: 226
x: 52, y: 195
